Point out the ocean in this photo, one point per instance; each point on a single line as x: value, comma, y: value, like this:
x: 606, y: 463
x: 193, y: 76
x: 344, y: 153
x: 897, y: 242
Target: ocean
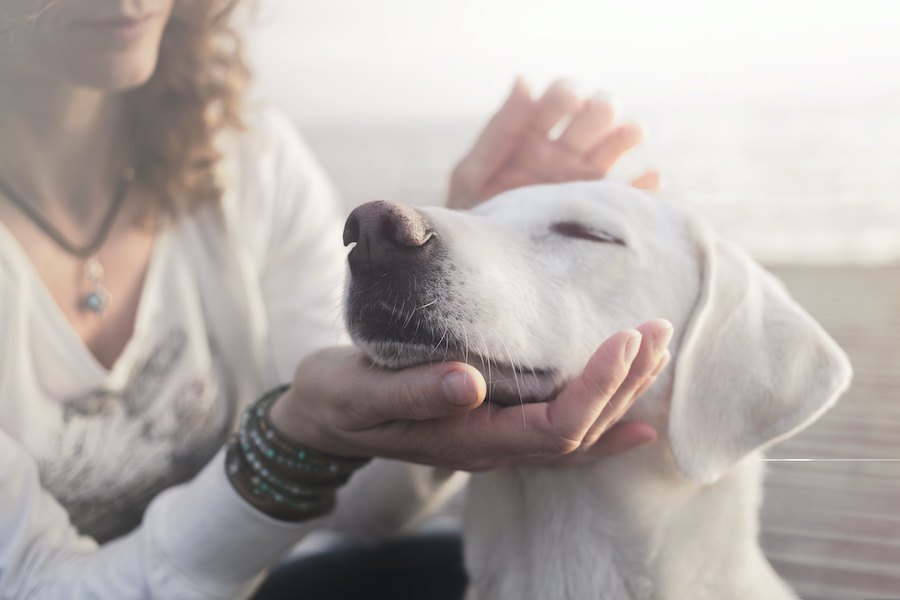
x: 792, y: 185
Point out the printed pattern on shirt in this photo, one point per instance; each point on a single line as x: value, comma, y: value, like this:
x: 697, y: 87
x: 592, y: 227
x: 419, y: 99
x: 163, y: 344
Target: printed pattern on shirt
x: 119, y: 448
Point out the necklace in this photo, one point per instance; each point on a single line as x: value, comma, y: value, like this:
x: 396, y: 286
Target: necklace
x: 97, y: 298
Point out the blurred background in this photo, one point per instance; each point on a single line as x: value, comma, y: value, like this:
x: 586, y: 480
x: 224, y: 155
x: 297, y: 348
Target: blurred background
x: 779, y: 119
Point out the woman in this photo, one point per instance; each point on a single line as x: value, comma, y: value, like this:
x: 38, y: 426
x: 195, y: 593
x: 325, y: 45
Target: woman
x: 166, y: 258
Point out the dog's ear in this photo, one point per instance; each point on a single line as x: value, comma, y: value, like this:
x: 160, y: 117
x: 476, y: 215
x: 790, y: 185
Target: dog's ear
x: 753, y: 366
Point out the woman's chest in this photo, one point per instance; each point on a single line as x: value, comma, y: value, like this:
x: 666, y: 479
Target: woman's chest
x: 108, y: 440
x: 97, y: 295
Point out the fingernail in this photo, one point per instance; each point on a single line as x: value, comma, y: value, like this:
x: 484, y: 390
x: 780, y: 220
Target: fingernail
x: 566, y: 85
x: 666, y: 356
x: 458, y: 388
x: 520, y: 92
x: 631, y: 347
x: 601, y: 98
x: 519, y: 86
x: 661, y: 340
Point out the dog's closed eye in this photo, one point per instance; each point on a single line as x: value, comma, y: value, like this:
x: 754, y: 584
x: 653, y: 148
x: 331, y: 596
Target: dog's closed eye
x: 580, y: 231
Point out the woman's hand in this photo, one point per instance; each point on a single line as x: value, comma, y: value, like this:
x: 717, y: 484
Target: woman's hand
x: 435, y: 414
x: 515, y: 148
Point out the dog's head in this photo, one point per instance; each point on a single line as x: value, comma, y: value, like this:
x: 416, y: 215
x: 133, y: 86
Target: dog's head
x: 525, y: 286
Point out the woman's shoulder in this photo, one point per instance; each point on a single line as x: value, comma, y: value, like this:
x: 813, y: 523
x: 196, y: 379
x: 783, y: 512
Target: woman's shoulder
x: 273, y: 185
x: 269, y: 151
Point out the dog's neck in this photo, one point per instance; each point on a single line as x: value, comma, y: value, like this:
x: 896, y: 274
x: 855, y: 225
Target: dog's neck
x: 629, y: 527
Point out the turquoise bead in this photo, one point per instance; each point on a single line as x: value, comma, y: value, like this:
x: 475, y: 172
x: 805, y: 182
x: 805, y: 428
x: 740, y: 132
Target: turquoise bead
x: 95, y: 302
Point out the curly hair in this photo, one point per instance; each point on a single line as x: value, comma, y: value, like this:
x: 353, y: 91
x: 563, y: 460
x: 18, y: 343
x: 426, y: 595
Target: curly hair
x: 194, y: 93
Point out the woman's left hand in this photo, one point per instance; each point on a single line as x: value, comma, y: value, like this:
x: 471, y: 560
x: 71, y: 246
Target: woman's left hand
x: 515, y: 149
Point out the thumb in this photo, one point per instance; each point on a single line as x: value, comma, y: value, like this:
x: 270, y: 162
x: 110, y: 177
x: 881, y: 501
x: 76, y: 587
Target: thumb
x: 424, y: 392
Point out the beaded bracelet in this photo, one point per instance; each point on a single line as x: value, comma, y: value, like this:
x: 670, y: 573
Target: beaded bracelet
x: 284, y: 479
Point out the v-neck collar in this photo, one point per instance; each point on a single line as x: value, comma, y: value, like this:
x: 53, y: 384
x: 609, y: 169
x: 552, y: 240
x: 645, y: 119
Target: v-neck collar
x: 59, y: 326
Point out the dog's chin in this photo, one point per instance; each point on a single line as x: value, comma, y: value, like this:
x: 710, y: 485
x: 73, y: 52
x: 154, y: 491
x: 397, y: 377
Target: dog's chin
x: 507, y: 385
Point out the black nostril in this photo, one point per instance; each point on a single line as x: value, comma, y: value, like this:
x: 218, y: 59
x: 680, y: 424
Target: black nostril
x: 351, y: 230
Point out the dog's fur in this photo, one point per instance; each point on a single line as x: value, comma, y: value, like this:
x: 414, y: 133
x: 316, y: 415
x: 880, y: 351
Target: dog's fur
x: 525, y: 287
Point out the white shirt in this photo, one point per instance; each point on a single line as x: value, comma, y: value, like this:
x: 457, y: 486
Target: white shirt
x: 234, y: 297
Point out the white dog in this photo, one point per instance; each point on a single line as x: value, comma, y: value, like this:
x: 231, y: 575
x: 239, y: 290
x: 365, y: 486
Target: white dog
x: 525, y: 287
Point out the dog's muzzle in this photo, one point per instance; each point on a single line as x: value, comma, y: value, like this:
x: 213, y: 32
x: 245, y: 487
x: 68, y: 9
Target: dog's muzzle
x: 395, y: 266
x: 400, y: 305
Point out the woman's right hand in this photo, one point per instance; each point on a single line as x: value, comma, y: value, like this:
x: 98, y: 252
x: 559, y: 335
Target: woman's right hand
x: 435, y: 413
x: 515, y: 148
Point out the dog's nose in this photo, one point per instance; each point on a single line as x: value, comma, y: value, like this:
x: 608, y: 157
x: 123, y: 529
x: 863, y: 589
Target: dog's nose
x: 387, y: 235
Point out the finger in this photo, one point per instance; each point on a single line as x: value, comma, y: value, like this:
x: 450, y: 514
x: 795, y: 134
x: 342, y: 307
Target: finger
x: 518, y: 176
x: 621, y: 437
x: 530, y: 430
x: 616, y: 143
x: 650, y: 181
x: 589, y: 125
x: 577, y: 407
x: 667, y: 356
x: 496, y: 142
x: 539, y: 160
x: 655, y: 336
x: 558, y: 101
x: 547, y: 162
x: 425, y: 392
x: 488, y: 436
x: 509, y: 179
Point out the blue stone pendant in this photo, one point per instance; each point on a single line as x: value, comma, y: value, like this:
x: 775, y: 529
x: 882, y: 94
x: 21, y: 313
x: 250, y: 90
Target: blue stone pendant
x: 97, y: 299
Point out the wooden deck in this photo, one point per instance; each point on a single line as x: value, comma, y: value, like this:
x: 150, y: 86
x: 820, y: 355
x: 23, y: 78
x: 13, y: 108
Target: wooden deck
x: 832, y: 527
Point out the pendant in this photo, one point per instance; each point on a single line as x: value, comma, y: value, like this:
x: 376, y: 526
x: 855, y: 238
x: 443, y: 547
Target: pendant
x: 97, y: 298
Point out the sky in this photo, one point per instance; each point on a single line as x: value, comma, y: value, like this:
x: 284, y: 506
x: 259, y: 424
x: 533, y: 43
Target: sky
x: 367, y: 59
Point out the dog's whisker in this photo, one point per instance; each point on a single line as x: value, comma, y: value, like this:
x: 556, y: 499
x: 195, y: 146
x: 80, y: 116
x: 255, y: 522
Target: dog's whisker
x: 335, y: 312
x: 427, y: 304
x: 465, y: 342
x: 409, y: 316
x: 401, y: 311
x: 512, y: 364
x: 486, y: 357
x: 446, y: 341
x: 415, y: 294
x: 437, y: 346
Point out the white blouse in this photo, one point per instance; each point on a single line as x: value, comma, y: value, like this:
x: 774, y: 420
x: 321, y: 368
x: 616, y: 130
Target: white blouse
x: 234, y: 297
